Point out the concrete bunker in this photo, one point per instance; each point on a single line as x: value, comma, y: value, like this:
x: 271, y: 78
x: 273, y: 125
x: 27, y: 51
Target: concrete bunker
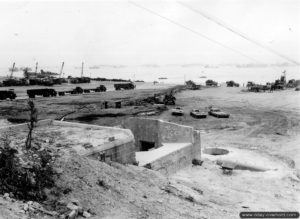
x: 163, y: 146
x: 93, y: 141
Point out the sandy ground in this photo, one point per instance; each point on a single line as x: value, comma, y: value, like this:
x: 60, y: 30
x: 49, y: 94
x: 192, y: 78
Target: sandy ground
x: 263, y: 130
x: 267, y: 122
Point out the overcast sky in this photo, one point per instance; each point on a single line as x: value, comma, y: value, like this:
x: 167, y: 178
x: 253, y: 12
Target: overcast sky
x: 120, y: 33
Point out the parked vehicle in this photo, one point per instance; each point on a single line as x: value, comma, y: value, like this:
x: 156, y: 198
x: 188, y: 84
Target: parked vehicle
x: 46, y: 92
x: 192, y: 85
x: 232, y: 84
x: 218, y: 113
x: 7, y: 94
x: 124, y: 86
x: 196, y: 113
x: 211, y: 83
x: 101, y: 88
x: 77, y: 90
x: 177, y: 111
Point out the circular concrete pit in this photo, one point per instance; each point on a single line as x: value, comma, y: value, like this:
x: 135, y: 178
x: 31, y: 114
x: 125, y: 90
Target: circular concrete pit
x: 215, y: 151
x: 246, y: 161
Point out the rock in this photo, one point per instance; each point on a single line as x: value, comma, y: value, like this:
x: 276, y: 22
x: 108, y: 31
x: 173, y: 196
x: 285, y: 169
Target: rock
x: 62, y: 202
x: 62, y: 216
x: 87, y: 145
x: 6, y: 195
x: 91, y: 212
x: 111, y: 138
x: 71, y: 206
x: 75, y: 202
x: 36, y: 205
x: 80, y: 210
x: 36, y: 146
x: 86, y: 214
x: 26, y: 207
x: 58, y: 170
x: 29, y: 203
x: 197, y: 162
x: 22, y: 211
x: 72, y: 215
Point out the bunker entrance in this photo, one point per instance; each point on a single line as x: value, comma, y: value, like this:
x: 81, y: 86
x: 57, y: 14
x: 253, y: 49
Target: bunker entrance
x: 147, y: 145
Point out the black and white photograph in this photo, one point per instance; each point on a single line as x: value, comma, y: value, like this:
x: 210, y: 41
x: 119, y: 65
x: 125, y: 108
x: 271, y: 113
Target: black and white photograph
x: 159, y: 109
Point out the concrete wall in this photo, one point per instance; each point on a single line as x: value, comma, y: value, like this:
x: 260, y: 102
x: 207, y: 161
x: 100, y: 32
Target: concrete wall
x: 169, y: 164
x: 161, y: 132
x: 171, y: 132
x: 124, y: 153
x: 144, y: 130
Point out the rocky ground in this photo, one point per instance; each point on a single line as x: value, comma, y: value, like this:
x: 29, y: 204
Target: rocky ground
x: 263, y: 125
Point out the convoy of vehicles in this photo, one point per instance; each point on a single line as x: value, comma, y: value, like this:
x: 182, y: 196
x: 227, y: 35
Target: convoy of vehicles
x: 46, y: 92
x: 196, y: 113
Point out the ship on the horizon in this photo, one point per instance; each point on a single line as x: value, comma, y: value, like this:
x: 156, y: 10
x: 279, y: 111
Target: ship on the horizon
x: 202, y: 77
x: 162, y: 78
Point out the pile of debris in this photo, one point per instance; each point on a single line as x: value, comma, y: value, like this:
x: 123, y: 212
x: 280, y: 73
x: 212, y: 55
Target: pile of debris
x: 65, y: 210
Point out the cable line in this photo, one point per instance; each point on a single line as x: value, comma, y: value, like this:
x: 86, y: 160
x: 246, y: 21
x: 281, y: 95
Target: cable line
x: 193, y: 31
x: 239, y: 33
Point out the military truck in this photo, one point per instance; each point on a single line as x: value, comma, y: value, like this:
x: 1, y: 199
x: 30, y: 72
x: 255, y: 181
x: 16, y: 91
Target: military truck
x: 192, y: 85
x: 232, y: 84
x: 46, y: 92
x: 101, y: 88
x: 7, y: 94
x: 124, y: 86
x: 77, y: 90
x: 211, y: 83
